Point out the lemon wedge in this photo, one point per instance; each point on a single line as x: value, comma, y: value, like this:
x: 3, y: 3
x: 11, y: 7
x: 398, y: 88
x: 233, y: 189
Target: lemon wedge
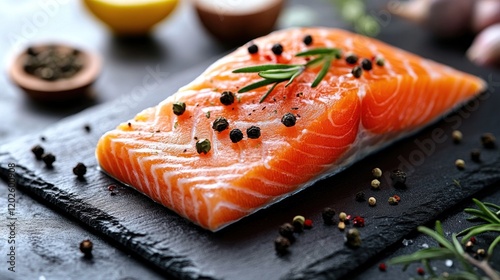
x: 131, y: 17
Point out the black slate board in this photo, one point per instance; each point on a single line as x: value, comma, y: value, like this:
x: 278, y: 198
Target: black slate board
x: 245, y: 250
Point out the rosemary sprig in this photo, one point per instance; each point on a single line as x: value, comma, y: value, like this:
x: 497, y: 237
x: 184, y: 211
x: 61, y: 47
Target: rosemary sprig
x: 453, y: 249
x: 274, y: 74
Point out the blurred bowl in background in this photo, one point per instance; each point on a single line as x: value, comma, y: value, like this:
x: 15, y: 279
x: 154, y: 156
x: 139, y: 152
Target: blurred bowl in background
x: 238, y: 21
x: 131, y: 17
x: 52, y: 89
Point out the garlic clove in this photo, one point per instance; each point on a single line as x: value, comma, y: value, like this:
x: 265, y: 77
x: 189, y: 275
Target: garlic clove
x: 486, y: 13
x: 444, y: 18
x: 485, y: 50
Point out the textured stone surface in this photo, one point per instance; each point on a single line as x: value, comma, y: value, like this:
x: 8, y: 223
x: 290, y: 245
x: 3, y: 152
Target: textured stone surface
x: 163, y: 244
x: 245, y: 249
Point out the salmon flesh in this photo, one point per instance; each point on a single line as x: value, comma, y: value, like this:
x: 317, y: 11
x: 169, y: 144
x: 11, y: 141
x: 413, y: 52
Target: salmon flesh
x: 216, y: 174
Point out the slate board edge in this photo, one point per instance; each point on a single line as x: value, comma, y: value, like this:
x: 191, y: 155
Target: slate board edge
x: 175, y: 265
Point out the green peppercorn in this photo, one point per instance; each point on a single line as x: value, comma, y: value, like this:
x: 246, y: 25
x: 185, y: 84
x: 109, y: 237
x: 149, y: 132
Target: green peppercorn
x: 220, y: 124
x: 353, y: 238
x: 203, y: 146
x: 366, y: 64
x: 37, y: 151
x: 289, y: 119
x: 227, y: 98
x: 236, y: 135
x: 392, y: 200
x: 307, y: 40
x: 179, y: 108
x: 379, y: 61
x: 277, y: 49
x: 253, y: 132
x: 351, y: 58
x: 357, y: 71
x: 253, y: 49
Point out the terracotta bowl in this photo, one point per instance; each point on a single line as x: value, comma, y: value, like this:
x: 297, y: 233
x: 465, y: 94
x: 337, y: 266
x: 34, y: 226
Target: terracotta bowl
x: 62, y: 90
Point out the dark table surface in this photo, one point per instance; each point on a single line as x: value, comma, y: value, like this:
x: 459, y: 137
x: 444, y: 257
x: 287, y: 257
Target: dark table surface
x: 176, y: 45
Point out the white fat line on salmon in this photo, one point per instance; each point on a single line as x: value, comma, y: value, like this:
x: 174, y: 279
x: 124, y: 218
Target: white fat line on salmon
x: 426, y: 65
x: 151, y: 146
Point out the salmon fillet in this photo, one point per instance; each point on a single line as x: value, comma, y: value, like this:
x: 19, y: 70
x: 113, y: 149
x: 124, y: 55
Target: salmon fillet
x: 338, y: 122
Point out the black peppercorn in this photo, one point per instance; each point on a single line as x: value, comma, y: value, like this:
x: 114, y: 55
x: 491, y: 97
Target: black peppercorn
x: 357, y: 72
x: 80, y: 169
x: 327, y: 215
x: 203, y: 146
x: 179, y: 108
x: 86, y: 248
x: 37, y: 151
x: 298, y: 223
x: 398, y: 178
x: 236, y: 135
x: 48, y: 159
x: 253, y: 132
x: 277, y: 49
x: 31, y: 51
x: 253, y: 49
x: 51, y: 63
x: 488, y: 140
x: 227, y: 98
x: 87, y: 128
x: 286, y: 230
x: 366, y: 64
x: 308, y: 39
x: 475, y: 155
x: 351, y: 58
x: 220, y: 124
x: 281, y: 245
x: 289, y: 119
x: 360, y: 196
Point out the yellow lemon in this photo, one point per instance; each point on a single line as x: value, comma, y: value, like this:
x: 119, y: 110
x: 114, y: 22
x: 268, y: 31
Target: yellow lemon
x: 131, y: 17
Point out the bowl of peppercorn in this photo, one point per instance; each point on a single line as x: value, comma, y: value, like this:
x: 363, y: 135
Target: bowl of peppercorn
x: 55, y: 73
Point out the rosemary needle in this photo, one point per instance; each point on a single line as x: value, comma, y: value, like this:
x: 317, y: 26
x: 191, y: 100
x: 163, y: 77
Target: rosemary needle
x: 277, y: 73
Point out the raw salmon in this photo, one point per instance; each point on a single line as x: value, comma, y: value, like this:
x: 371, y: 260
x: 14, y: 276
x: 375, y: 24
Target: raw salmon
x: 337, y: 122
